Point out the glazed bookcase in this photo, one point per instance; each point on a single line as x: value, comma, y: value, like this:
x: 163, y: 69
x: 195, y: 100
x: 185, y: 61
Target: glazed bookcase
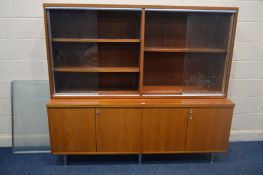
x: 138, y: 63
x: 136, y: 51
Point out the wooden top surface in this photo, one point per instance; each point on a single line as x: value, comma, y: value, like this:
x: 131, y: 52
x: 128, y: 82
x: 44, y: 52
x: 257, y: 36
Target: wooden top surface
x: 140, y: 103
x: 139, y: 6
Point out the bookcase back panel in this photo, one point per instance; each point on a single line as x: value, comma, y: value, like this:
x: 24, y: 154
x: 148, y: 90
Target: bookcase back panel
x: 165, y: 29
x: 119, y: 54
x: 120, y: 24
x: 163, y: 69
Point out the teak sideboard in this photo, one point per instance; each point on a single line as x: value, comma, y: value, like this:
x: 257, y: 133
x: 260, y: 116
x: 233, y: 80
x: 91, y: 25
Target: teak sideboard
x: 139, y: 79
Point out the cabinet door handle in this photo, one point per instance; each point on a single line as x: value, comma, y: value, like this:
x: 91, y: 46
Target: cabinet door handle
x: 190, y: 114
x: 97, y: 113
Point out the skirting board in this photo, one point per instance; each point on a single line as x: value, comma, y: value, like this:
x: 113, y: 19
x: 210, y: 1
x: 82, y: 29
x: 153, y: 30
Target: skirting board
x: 5, y: 140
x: 235, y: 136
x: 246, y: 135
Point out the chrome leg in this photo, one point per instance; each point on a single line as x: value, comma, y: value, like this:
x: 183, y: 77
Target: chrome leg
x: 140, y: 159
x: 212, y: 158
x: 65, y: 161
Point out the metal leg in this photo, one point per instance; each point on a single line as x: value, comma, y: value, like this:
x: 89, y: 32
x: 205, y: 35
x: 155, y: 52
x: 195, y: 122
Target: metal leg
x: 140, y: 159
x: 65, y: 161
x: 212, y: 158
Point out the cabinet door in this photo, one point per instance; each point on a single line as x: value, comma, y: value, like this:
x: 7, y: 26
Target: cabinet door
x: 208, y: 129
x: 164, y: 129
x: 118, y: 130
x: 72, y: 130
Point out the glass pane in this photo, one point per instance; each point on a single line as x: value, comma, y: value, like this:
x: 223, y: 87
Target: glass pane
x: 94, y: 24
x: 93, y: 66
x: 204, y: 72
x: 96, y: 54
x: 208, y: 30
x: 30, y: 125
x: 82, y: 67
x: 96, y: 83
x: 207, y: 37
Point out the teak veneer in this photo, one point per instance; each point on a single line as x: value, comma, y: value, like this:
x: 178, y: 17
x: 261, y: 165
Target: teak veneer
x: 139, y: 79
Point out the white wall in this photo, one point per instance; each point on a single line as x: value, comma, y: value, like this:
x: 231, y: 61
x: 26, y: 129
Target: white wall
x: 23, y: 56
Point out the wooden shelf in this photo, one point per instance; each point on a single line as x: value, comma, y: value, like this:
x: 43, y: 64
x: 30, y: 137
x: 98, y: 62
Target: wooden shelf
x: 198, y: 89
x: 176, y: 89
x: 205, y: 50
x: 162, y: 89
x: 91, y: 40
x: 97, y: 69
x: 101, y: 92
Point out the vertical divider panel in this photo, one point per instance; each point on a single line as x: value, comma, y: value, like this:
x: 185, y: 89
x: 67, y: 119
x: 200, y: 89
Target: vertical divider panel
x: 230, y: 49
x: 142, y: 50
x: 49, y: 50
x: 228, y: 53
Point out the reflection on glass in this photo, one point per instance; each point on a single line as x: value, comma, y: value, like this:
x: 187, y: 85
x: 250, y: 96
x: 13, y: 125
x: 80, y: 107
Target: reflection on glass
x: 204, y: 72
x: 208, y: 34
x: 208, y: 30
x: 90, y: 67
x: 93, y: 82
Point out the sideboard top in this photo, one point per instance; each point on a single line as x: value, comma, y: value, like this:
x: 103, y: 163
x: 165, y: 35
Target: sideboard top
x: 140, y: 103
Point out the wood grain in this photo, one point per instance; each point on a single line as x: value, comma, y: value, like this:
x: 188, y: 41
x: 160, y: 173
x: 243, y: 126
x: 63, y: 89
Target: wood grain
x: 163, y: 49
x: 96, y: 69
x: 90, y: 40
x: 72, y: 129
x: 162, y: 89
x: 209, y: 129
x: 140, y: 103
x: 165, y: 29
x: 164, y: 129
x: 163, y: 69
x: 142, y: 36
x: 118, y: 130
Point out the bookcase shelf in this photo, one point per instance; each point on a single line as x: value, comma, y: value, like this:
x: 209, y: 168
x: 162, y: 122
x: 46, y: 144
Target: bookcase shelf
x: 163, y: 89
x: 97, y: 69
x: 163, y: 49
x: 92, y: 40
x: 96, y: 92
x: 178, y: 90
